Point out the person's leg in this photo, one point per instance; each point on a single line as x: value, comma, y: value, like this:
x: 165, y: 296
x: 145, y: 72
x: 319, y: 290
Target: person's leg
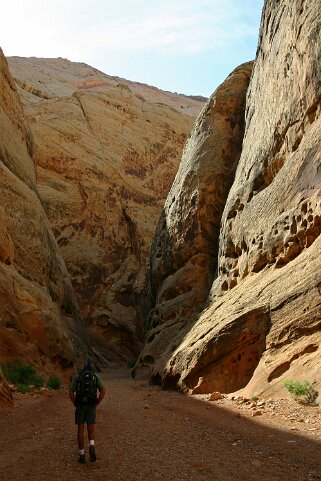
x: 81, y: 443
x: 91, y: 439
x: 91, y: 432
x: 80, y: 436
x: 80, y: 421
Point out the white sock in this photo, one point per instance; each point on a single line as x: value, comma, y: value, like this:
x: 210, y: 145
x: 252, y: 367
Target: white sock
x: 81, y: 451
x: 91, y: 442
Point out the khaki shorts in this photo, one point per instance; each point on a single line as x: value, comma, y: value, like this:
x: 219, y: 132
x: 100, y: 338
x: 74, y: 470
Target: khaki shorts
x: 85, y: 414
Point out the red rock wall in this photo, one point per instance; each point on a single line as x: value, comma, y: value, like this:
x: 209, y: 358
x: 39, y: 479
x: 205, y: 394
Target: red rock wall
x: 37, y: 311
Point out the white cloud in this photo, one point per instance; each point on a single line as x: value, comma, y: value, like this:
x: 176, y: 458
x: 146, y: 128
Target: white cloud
x: 177, y: 26
x: 65, y: 27
x: 156, y: 42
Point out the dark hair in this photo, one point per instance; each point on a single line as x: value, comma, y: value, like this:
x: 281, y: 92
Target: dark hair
x: 89, y: 365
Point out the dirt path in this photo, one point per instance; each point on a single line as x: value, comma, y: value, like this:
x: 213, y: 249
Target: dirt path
x: 145, y: 434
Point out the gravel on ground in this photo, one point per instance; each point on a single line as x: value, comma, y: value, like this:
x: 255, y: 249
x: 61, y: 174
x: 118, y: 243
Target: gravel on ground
x: 146, y: 434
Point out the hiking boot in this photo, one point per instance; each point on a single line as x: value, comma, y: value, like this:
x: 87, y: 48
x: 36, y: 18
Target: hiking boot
x: 92, y: 454
x: 81, y: 459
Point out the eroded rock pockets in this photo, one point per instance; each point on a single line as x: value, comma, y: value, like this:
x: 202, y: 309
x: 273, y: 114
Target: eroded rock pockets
x: 270, y: 229
x: 251, y: 339
x: 273, y: 210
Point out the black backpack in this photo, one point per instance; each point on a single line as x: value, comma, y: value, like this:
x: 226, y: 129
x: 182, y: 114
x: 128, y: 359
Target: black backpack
x: 87, y: 387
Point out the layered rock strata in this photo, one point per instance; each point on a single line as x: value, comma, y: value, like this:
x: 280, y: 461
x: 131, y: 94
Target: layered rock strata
x: 38, y: 315
x: 262, y: 323
x: 106, y: 152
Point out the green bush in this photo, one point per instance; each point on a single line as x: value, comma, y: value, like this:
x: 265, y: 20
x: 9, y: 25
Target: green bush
x: 22, y: 374
x: 18, y: 373
x: 54, y: 382
x: 23, y: 388
x: 38, y: 381
x: 300, y: 389
x: 296, y: 388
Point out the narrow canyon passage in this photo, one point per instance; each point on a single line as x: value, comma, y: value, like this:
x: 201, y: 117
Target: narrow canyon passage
x: 145, y: 434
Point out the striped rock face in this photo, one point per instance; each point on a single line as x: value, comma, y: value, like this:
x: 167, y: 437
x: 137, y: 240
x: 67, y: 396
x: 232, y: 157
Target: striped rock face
x: 106, y: 153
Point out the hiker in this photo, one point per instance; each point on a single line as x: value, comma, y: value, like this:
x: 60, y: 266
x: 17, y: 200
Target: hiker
x: 83, y: 395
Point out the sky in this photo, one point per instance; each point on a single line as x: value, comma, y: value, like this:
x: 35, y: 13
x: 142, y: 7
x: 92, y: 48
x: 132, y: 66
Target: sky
x: 185, y: 46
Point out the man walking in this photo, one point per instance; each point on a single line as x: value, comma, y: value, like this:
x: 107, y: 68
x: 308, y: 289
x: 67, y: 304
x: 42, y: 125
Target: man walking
x: 83, y: 394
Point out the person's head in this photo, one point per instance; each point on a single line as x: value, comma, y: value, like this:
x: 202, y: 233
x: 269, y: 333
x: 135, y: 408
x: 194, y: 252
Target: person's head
x: 88, y: 365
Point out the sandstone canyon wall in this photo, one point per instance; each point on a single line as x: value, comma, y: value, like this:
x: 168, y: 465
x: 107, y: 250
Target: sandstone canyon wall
x: 183, y: 256
x: 106, y: 152
x: 261, y: 324
x: 38, y: 315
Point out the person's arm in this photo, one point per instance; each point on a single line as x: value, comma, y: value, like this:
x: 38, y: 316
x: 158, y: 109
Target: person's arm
x: 72, y: 390
x: 72, y: 397
x: 101, y: 396
x: 101, y: 388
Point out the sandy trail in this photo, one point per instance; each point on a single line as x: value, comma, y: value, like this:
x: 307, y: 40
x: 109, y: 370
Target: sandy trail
x: 145, y: 434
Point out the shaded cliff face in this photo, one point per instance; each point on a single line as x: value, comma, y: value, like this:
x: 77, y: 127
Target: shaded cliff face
x: 262, y: 324
x: 36, y: 303
x: 106, y: 153
x: 184, y: 252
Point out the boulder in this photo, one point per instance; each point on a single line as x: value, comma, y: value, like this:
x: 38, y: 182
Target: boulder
x: 215, y: 396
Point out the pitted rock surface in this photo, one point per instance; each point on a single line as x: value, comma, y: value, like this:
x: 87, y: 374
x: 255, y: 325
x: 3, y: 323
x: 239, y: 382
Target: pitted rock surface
x: 263, y: 316
x: 273, y: 210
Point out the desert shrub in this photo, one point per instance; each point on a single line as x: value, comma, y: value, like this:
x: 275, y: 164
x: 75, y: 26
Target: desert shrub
x: 23, y: 388
x: 38, y: 381
x: 18, y: 373
x: 54, y: 382
x: 301, y: 390
x: 23, y: 375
